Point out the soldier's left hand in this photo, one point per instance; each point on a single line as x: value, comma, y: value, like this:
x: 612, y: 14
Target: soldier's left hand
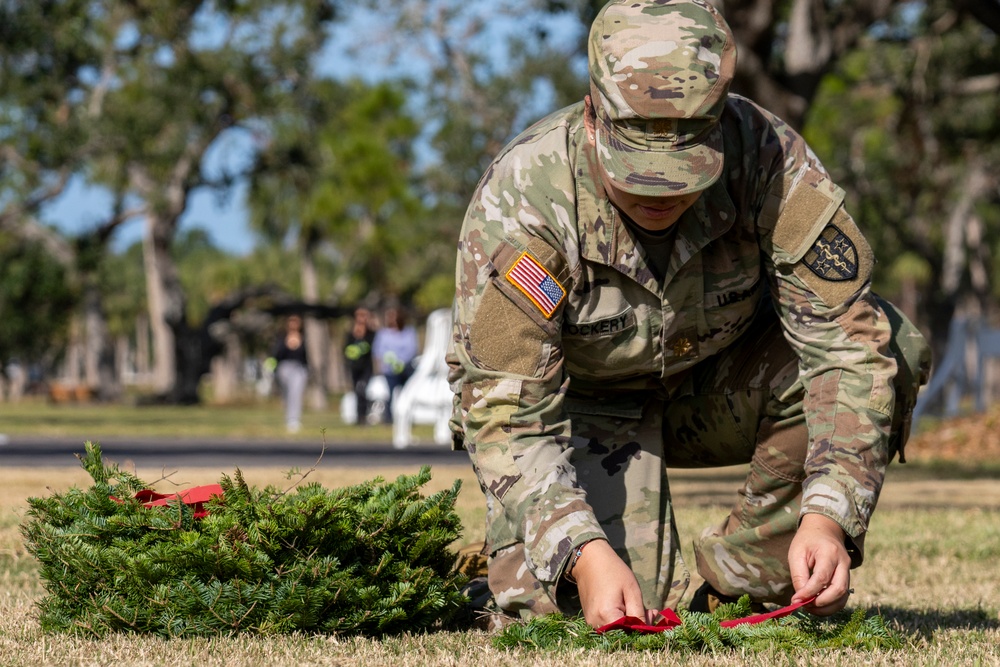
x: 820, y: 565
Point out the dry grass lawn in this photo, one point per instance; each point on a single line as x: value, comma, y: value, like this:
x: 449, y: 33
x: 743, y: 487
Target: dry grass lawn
x: 931, y: 571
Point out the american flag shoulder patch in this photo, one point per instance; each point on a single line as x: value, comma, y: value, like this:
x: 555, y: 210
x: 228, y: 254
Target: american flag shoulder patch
x: 540, y: 286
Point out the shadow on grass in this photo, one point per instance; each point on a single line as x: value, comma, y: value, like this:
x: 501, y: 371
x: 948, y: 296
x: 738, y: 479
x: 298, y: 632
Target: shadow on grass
x: 926, y: 622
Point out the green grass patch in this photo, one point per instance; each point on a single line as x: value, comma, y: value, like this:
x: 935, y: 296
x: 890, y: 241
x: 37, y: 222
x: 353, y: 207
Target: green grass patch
x: 257, y: 421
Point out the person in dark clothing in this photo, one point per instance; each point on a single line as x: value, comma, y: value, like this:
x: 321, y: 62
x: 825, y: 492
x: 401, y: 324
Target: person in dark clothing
x: 358, y: 355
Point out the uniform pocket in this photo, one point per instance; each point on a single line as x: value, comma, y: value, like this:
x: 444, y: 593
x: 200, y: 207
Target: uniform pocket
x: 614, y: 342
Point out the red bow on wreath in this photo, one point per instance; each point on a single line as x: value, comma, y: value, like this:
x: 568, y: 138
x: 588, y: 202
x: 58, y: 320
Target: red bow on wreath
x: 196, y: 497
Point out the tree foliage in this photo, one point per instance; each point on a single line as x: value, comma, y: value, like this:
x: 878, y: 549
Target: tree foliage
x: 36, y: 299
x: 131, y: 96
x: 899, y: 99
x: 478, y: 73
x: 334, y: 177
x: 909, y: 124
x: 368, y: 180
x: 43, y: 48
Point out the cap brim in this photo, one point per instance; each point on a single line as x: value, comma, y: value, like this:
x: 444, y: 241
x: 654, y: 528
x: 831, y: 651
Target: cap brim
x: 659, y: 169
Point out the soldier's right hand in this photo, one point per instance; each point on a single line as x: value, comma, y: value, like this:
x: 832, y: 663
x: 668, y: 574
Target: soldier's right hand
x: 608, y: 589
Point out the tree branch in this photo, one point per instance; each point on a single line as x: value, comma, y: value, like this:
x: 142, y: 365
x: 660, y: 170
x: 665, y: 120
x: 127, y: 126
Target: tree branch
x: 986, y: 12
x: 977, y: 85
x: 976, y: 183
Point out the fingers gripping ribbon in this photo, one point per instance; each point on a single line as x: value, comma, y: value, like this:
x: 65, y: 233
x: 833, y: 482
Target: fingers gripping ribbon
x: 670, y: 620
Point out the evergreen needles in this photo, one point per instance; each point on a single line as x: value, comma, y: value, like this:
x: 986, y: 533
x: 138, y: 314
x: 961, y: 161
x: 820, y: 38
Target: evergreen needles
x: 369, y: 559
x: 703, y: 632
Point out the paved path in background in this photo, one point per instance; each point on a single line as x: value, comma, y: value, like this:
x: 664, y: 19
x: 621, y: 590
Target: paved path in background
x: 698, y: 487
x: 18, y: 451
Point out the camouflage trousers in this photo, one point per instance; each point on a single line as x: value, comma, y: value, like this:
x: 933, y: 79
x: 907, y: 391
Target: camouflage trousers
x: 741, y: 406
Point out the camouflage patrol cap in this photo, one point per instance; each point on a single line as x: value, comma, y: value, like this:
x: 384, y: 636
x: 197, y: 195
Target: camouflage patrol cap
x: 659, y: 76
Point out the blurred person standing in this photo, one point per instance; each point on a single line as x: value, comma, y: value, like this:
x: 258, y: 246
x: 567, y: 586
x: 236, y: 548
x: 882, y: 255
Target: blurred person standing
x: 292, y: 371
x: 395, y: 347
x: 358, y: 355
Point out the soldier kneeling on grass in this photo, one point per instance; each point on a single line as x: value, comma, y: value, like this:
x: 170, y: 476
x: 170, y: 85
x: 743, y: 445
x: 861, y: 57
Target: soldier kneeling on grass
x: 663, y: 275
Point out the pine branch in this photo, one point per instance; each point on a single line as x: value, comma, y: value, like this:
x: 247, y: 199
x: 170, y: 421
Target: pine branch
x: 369, y: 559
x: 703, y: 632
x: 312, y: 468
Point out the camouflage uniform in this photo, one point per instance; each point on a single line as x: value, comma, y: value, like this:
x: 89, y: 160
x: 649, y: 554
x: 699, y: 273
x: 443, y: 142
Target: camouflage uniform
x: 584, y: 365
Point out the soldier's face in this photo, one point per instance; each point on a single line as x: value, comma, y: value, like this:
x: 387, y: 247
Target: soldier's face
x: 652, y: 213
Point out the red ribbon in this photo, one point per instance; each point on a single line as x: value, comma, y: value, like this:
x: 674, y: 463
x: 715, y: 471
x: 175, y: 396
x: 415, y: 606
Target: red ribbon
x: 670, y: 620
x: 196, y: 497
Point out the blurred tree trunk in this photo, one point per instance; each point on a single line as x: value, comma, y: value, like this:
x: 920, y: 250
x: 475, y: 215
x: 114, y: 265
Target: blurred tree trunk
x: 143, y: 366
x: 226, y: 366
x: 157, y: 261
x: 99, y: 355
x: 964, y: 252
x: 124, y: 359
x: 316, y: 334
x: 71, y: 364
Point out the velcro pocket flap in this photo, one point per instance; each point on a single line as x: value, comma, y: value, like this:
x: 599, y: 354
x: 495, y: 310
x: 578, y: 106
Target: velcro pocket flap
x: 804, y: 216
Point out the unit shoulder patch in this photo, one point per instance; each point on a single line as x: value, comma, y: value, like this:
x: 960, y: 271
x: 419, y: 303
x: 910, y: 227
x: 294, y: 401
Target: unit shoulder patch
x: 838, y: 263
x: 536, y: 282
x: 833, y: 256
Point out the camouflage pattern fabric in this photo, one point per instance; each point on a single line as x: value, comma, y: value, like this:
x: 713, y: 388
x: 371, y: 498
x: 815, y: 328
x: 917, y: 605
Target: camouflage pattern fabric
x: 742, y: 406
x: 579, y: 371
x: 681, y: 56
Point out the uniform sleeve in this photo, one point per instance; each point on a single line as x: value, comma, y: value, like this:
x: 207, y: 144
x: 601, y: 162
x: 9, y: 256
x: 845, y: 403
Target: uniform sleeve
x: 820, y: 270
x: 507, y: 371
